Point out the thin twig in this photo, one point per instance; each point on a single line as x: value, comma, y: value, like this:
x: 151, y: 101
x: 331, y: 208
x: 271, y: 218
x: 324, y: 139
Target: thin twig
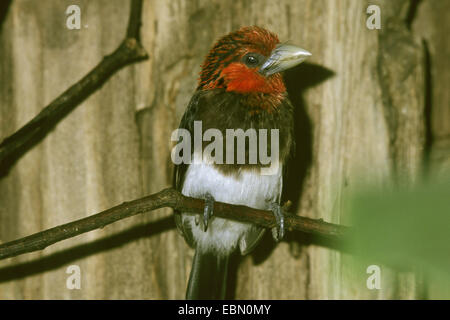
x: 166, y: 198
x: 134, y: 25
x: 128, y: 52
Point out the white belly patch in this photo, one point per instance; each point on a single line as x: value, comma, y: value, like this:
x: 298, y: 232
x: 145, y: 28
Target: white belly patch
x: 249, y: 188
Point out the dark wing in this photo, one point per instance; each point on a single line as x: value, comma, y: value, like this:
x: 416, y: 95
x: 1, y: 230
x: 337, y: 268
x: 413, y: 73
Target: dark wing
x: 187, y: 122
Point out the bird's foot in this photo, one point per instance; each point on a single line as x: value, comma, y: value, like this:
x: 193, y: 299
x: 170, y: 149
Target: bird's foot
x: 278, y: 231
x: 208, y: 211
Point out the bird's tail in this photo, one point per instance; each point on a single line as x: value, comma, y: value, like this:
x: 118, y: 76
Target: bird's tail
x: 208, y: 276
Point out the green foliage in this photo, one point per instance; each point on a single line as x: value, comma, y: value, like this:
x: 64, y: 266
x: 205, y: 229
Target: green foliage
x: 404, y: 228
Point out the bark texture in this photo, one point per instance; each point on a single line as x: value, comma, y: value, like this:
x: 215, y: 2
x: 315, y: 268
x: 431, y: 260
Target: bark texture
x: 369, y: 105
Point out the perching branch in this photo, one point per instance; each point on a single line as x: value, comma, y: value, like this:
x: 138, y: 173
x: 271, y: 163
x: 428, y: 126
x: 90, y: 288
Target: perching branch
x: 128, y: 52
x: 166, y: 198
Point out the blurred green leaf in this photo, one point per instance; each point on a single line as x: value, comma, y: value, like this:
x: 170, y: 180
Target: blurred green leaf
x: 406, y: 228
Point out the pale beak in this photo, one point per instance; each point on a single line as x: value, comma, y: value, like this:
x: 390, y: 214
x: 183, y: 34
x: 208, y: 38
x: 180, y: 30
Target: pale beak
x: 283, y: 57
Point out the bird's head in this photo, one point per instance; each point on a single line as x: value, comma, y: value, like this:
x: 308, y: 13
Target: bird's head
x: 248, y: 61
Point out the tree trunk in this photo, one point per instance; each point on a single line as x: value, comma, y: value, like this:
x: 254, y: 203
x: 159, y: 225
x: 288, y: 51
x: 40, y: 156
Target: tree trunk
x: 363, y: 111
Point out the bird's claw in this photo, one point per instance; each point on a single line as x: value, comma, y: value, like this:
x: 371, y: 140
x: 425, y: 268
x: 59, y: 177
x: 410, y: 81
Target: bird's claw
x: 278, y: 231
x: 208, y: 211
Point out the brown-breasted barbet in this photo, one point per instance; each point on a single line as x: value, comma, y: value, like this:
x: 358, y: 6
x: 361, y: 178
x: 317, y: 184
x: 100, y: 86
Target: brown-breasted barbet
x: 240, y: 87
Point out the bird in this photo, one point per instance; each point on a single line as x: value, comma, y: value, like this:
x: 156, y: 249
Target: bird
x: 240, y: 87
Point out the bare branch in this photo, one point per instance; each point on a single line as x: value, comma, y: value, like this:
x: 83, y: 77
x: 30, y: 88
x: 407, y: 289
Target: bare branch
x: 128, y: 52
x: 135, y: 22
x: 166, y: 198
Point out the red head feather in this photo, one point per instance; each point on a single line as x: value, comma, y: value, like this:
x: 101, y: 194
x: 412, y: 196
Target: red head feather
x: 225, y: 66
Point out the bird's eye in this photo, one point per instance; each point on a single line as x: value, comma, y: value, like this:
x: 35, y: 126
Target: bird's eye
x: 251, y: 60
